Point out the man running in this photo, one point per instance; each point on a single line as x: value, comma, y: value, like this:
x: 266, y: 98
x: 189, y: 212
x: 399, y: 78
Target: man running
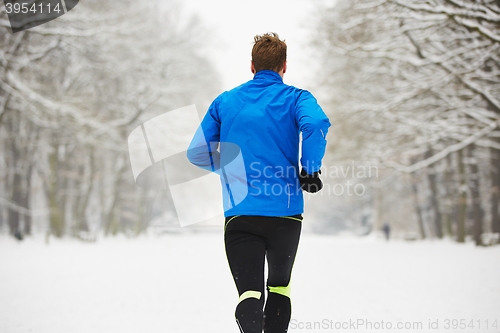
x: 263, y: 118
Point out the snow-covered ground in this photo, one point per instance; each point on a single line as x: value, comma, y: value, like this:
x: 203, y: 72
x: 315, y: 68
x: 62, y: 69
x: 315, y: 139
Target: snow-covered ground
x: 181, y: 283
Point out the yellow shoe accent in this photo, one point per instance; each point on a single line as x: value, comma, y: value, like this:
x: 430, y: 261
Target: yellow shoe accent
x: 249, y: 294
x: 285, y: 291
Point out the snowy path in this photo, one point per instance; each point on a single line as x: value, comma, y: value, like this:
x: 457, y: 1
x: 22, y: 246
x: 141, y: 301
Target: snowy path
x: 181, y: 283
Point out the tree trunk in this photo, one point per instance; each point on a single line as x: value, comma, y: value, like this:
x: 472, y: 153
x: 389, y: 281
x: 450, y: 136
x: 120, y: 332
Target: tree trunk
x: 448, y: 200
x: 19, y: 196
x: 83, y: 200
x: 477, y: 214
x: 56, y: 214
x: 431, y: 176
x: 25, y: 202
x: 462, y: 201
x: 495, y: 188
x: 14, y: 216
x: 418, y: 210
x: 378, y: 208
x: 113, y: 217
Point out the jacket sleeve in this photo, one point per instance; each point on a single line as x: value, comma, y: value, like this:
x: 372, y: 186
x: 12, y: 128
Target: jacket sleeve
x: 314, y: 124
x: 203, y: 149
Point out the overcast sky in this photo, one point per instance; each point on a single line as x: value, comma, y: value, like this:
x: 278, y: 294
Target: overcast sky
x: 234, y: 24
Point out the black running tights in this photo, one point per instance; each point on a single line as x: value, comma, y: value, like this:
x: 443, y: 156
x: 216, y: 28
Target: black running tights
x: 248, y: 241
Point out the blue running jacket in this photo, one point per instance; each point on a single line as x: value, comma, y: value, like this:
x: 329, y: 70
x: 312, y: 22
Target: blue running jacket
x: 250, y: 137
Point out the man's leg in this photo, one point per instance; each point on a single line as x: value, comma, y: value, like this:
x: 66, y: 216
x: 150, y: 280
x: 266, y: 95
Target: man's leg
x: 245, y: 251
x: 282, y: 248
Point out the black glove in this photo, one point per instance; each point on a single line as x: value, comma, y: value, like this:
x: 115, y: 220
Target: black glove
x: 310, y: 183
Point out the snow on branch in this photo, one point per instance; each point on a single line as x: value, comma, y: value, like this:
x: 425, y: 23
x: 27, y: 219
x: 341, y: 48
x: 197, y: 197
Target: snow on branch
x: 57, y: 108
x: 473, y: 25
x: 445, y: 152
x: 470, y: 12
x: 21, y: 210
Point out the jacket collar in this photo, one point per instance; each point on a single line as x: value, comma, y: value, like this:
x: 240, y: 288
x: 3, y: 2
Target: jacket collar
x: 269, y: 75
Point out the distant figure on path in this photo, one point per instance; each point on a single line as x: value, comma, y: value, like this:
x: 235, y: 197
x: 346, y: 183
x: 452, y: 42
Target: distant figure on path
x: 387, y: 230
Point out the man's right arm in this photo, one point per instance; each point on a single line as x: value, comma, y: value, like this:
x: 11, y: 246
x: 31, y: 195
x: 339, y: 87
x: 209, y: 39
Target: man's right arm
x: 202, y: 150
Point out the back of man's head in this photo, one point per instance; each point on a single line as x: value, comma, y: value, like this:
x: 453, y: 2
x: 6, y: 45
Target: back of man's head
x: 268, y: 52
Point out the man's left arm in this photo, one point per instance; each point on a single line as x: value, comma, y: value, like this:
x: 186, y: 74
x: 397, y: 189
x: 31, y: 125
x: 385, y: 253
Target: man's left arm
x: 314, y: 124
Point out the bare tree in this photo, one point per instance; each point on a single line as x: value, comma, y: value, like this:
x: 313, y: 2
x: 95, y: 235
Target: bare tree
x: 70, y: 92
x: 415, y: 78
